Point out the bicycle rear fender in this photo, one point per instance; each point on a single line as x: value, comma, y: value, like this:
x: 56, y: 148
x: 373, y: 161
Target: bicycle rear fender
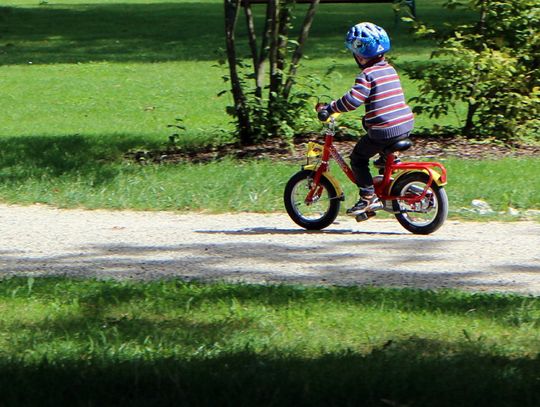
x: 437, y: 177
x: 329, y: 176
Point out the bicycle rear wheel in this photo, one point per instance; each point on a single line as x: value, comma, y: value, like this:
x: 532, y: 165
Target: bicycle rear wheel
x: 318, y: 214
x: 425, y: 216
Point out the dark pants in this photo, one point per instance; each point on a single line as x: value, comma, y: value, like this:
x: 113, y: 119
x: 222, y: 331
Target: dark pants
x: 362, y: 152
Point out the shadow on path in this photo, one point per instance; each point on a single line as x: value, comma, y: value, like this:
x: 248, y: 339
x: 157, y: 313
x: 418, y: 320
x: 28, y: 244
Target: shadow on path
x: 405, y: 263
x: 279, y: 231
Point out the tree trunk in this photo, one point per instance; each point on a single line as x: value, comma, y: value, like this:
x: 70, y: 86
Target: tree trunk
x: 272, y: 119
x: 264, y: 52
x: 273, y: 6
x: 244, y: 124
x: 252, y: 38
x: 278, y: 52
x: 467, y: 129
x: 299, y: 51
x: 284, y: 19
x: 266, y: 120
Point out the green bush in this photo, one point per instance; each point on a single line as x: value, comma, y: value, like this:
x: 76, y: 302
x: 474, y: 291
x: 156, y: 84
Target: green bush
x: 491, y: 65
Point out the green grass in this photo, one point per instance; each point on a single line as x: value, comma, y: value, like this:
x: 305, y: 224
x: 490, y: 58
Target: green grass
x: 125, y: 343
x: 84, y: 82
x: 102, y: 67
x: 97, y: 100
x: 69, y: 172
x: 502, y: 183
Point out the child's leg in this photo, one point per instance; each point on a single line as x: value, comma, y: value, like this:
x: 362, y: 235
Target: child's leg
x: 362, y: 152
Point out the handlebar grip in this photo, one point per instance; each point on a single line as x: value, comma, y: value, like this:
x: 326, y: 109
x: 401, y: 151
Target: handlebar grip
x: 323, y: 115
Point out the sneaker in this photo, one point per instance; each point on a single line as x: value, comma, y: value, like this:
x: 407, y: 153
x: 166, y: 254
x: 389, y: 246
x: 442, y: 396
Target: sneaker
x: 365, y: 204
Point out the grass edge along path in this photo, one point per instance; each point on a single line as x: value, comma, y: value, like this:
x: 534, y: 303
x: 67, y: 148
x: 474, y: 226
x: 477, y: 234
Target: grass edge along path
x: 88, y: 342
x: 241, y: 186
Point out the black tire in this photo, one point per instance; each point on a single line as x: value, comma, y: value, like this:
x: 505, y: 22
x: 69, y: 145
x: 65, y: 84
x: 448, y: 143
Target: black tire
x: 428, y: 215
x: 317, y: 215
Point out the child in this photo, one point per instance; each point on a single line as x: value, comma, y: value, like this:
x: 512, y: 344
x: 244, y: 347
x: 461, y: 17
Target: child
x: 387, y: 119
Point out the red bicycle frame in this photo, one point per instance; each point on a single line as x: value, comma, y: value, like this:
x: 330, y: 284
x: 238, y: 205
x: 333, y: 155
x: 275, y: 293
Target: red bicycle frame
x: 382, y: 187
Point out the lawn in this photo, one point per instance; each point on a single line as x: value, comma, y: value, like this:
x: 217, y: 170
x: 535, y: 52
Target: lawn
x: 103, y: 68
x: 175, y: 343
x: 85, y: 82
x: 65, y: 179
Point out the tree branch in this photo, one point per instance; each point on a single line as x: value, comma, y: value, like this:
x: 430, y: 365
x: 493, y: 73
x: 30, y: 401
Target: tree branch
x: 251, y: 36
x: 244, y: 124
x: 263, y: 54
x: 273, y: 54
x: 299, y: 51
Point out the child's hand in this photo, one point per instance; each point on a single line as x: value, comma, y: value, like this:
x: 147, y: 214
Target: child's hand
x: 320, y: 106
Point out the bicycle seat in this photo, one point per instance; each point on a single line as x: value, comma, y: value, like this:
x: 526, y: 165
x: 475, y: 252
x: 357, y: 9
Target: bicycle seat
x: 400, y: 145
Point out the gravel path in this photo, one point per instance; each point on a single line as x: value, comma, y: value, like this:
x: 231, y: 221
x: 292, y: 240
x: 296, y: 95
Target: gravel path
x: 39, y: 240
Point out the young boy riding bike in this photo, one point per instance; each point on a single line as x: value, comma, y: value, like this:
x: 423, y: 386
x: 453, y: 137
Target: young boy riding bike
x: 388, y: 118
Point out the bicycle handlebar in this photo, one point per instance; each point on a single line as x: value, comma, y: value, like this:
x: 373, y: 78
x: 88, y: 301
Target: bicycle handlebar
x: 323, y: 115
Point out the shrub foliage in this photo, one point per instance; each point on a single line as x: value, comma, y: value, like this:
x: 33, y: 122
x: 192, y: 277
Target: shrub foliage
x: 491, y: 64
x: 268, y: 107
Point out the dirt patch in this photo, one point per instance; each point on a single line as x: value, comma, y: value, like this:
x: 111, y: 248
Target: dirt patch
x: 276, y: 149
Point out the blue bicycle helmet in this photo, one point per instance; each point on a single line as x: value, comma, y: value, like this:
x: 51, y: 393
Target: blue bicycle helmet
x: 367, y: 40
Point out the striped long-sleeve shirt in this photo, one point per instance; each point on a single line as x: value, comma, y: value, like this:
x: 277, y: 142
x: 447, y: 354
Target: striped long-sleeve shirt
x: 378, y: 88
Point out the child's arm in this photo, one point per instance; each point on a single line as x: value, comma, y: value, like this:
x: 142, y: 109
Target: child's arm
x: 354, y: 98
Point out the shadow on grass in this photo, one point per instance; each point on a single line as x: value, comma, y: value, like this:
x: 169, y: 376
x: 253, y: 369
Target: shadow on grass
x: 164, y: 31
x: 411, y: 372
x: 402, y: 372
x: 97, y: 298
x: 35, y: 156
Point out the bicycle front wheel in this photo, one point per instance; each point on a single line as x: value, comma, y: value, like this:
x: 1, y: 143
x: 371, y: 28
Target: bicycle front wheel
x: 315, y: 215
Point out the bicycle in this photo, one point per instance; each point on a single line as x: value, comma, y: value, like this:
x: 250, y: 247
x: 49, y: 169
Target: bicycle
x: 412, y: 191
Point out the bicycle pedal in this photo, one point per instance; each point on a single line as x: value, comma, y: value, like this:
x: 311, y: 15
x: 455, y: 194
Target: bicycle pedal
x: 364, y: 216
